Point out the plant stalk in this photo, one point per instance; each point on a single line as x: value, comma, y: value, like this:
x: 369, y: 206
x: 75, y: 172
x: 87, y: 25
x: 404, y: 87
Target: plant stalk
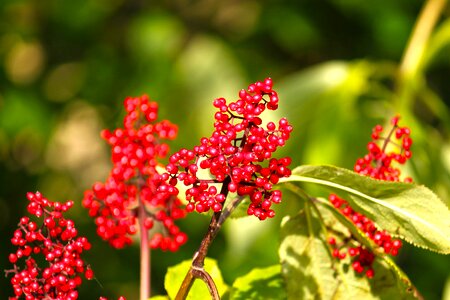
x: 417, y: 43
x: 145, y: 284
x: 196, y: 270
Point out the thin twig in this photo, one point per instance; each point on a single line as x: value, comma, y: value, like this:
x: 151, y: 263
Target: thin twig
x: 198, y: 261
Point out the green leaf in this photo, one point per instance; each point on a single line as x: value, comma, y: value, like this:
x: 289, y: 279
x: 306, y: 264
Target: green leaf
x: 199, y: 290
x: 306, y: 262
x: 265, y: 283
x: 411, y: 212
x: 310, y: 272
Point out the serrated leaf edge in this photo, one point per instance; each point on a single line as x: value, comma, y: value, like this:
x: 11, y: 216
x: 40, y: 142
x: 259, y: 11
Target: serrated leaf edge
x: 375, y: 200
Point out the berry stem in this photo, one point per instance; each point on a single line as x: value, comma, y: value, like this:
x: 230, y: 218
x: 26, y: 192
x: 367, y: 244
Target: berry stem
x: 196, y: 270
x: 386, y: 142
x: 145, y: 284
x: 388, y: 138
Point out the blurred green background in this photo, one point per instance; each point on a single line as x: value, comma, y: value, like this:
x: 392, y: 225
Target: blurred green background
x: 66, y: 66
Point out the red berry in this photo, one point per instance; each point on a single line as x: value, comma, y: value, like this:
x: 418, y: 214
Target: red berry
x: 370, y: 273
x: 89, y: 274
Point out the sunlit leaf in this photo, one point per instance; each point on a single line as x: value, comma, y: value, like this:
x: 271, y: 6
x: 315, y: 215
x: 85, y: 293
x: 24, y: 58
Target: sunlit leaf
x: 306, y: 262
x: 265, y: 283
x: 411, y: 212
x: 159, y: 297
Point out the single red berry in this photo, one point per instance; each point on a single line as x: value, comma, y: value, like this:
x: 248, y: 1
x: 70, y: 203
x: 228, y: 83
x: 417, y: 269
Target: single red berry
x: 332, y: 241
x: 370, y: 273
x: 89, y: 274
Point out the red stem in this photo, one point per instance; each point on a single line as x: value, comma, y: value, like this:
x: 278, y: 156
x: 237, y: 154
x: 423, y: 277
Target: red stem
x: 196, y: 270
x: 145, y: 254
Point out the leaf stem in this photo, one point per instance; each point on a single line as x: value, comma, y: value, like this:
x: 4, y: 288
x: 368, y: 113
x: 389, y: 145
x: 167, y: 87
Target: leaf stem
x: 426, y: 21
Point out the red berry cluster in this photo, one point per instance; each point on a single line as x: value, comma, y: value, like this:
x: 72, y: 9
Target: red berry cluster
x: 376, y: 164
x: 134, y: 180
x: 233, y: 155
x: 362, y: 257
x: 55, y: 241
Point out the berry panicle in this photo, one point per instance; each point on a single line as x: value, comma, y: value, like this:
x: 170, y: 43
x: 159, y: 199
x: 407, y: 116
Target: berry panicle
x: 238, y: 156
x: 384, y: 151
x: 48, y: 261
x: 378, y: 164
x: 134, y: 181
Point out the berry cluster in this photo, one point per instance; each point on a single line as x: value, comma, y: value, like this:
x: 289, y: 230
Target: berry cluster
x: 56, y: 242
x: 376, y: 164
x: 233, y: 155
x: 131, y: 188
x: 362, y: 257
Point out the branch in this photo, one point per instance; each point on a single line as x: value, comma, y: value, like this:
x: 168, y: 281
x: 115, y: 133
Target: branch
x: 196, y: 270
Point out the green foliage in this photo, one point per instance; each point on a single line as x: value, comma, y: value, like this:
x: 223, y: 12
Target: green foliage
x: 265, y: 283
x: 305, y: 258
x: 411, y: 212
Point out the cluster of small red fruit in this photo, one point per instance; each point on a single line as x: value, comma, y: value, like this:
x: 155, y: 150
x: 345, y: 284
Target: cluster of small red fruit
x: 57, y: 241
x: 132, y: 186
x: 376, y: 164
x: 238, y: 156
x: 136, y: 191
